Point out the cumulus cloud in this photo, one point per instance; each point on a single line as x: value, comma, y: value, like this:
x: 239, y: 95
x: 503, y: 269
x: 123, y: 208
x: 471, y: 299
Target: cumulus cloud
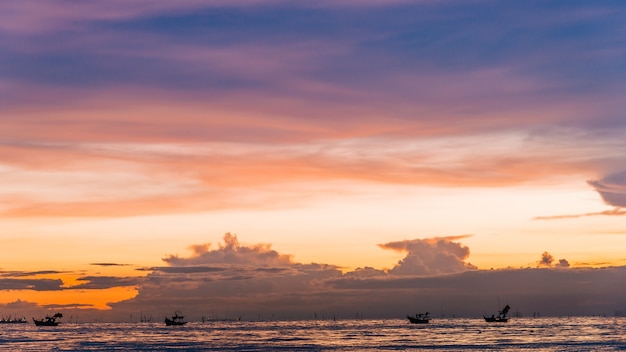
x: 547, y: 261
x: 231, y: 252
x: 563, y: 263
x: 256, y: 278
x: 239, y: 280
x: 431, y: 256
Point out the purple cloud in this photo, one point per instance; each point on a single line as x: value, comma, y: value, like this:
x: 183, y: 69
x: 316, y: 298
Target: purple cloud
x: 612, y: 188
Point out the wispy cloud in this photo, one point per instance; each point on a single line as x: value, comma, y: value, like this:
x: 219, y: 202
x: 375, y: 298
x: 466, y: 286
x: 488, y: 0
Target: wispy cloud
x: 104, y: 282
x: 30, y: 273
x: 613, y: 212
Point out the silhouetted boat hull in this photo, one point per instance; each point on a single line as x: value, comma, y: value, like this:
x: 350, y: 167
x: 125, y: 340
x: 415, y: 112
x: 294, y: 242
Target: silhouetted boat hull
x: 43, y: 322
x: 169, y: 322
x: 495, y: 319
x: 48, y: 321
x: 500, y: 318
x: 176, y: 320
x: 417, y: 320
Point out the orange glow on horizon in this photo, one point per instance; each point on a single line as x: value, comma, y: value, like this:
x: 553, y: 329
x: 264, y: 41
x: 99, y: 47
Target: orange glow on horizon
x: 80, y: 299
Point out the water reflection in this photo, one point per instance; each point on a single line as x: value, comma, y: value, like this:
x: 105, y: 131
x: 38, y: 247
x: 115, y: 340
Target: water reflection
x: 541, y: 334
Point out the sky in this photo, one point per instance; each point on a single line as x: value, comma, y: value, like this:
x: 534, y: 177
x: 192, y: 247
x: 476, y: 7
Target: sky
x: 287, y: 159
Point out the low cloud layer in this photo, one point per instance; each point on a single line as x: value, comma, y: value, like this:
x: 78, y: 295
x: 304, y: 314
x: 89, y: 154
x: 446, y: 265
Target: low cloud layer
x: 434, y: 275
x: 254, y: 282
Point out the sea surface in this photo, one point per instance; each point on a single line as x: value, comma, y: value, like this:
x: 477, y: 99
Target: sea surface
x: 520, y: 334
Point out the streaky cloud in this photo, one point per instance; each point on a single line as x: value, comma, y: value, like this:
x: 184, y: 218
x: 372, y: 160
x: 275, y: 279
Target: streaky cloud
x: 104, y: 282
x: 32, y: 284
x: 191, y: 269
x: 617, y: 211
x: 66, y: 306
x: 30, y: 273
x: 109, y: 264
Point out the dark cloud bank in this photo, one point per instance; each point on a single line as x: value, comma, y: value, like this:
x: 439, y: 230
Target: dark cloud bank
x: 257, y: 283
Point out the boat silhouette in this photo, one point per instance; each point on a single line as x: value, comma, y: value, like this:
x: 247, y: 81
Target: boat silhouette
x: 176, y: 319
x: 500, y: 318
x: 419, y: 318
x: 48, y: 320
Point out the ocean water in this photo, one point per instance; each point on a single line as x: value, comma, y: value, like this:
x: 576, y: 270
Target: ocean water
x: 520, y: 334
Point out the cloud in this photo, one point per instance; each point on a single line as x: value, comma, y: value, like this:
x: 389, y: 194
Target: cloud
x: 612, y: 188
x: 254, y: 277
x: 31, y: 284
x: 613, y: 212
x: 30, y: 273
x: 66, y: 306
x: 254, y: 282
x: 547, y: 261
x: 563, y: 263
x: 104, y: 282
x: 232, y: 253
x: 432, y: 256
x: 109, y: 264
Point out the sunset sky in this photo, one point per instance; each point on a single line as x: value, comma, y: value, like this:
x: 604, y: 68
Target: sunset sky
x: 222, y: 156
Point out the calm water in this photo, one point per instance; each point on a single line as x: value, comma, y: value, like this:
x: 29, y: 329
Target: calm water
x: 542, y: 334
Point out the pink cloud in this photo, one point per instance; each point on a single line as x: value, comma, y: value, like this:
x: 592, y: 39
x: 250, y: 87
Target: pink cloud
x: 431, y: 256
x: 613, y: 212
x: 231, y: 252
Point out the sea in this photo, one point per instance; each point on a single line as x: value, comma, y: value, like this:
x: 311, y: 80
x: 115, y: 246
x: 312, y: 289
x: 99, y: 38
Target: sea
x: 519, y: 334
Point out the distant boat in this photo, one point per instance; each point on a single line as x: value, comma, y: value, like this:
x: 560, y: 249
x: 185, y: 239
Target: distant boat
x: 10, y: 320
x: 48, y: 320
x: 419, y: 318
x: 500, y: 318
x: 176, y: 320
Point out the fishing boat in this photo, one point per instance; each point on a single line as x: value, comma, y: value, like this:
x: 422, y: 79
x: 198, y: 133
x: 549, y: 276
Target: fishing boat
x: 48, y: 320
x: 176, y: 319
x: 10, y: 320
x: 500, y: 318
x: 419, y: 318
